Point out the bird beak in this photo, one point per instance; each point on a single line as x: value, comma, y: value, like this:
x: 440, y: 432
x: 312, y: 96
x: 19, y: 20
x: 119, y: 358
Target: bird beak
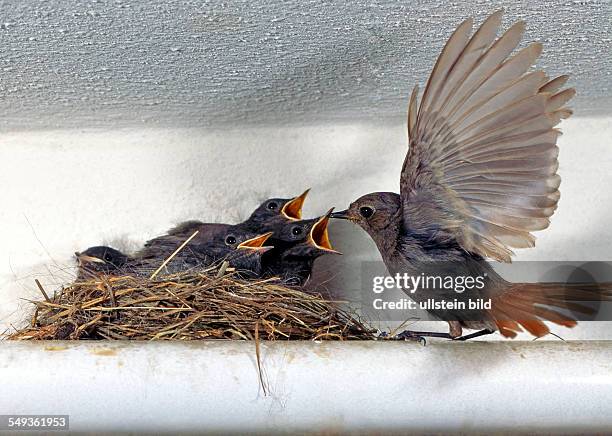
x: 342, y: 215
x: 256, y: 243
x: 83, y: 258
x: 293, y: 209
x: 319, y: 236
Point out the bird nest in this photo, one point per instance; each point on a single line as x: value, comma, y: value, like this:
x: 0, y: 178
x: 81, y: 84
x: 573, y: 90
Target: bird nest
x: 188, y: 306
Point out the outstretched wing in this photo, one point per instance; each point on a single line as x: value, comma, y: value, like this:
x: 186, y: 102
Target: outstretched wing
x: 482, y: 163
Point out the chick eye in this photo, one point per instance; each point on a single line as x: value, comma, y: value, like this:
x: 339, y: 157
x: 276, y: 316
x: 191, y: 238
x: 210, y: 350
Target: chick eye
x: 272, y: 205
x: 107, y: 257
x: 366, y: 211
x: 297, y: 231
x: 230, y: 240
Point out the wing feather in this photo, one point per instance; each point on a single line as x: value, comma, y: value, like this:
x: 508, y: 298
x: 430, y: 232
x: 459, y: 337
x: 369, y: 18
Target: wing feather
x: 482, y: 162
x: 451, y: 51
x: 555, y: 84
x: 487, y: 63
x: 478, y: 44
x: 412, y: 109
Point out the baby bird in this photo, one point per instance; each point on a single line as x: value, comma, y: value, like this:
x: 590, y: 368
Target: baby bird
x: 268, y: 217
x: 242, y: 254
x: 99, y: 261
x: 214, y: 240
x: 287, y: 234
x: 247, y: 257
x: 240, y: 248
x: 208, y: 233
x: 293, y: 265
x: 276, y: 211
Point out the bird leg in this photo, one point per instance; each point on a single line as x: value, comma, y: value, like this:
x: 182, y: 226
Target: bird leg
x: 406, y: 334
x: 475, y: 335
x: 454, y: 333
x: 409, y: 335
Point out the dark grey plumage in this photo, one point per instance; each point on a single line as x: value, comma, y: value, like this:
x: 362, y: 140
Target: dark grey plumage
x: 215, y: 243
x: 270, y: 216
x: 293, y: 263
x: 209, y: 234
x: 98, y: 261
x: 276, y: 211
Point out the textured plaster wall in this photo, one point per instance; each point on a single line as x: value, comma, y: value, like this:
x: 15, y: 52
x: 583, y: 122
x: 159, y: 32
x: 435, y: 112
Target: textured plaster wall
x: 109, y: 63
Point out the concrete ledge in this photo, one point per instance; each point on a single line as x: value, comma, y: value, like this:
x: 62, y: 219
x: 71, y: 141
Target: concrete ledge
x: 320, y: 387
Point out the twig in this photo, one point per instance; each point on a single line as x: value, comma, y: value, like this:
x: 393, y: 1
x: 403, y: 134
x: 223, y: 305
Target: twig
x: 39, y: 241
x: 34, y: 318
x: 222, y: 269
x: 258, y: 357
x: 173, y: 254
x: 42, y: 290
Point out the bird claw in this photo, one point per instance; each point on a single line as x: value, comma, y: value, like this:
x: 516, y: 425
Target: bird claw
x: 406, y: 335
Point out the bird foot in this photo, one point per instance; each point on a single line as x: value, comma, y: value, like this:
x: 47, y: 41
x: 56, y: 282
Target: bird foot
x: 408, y: 335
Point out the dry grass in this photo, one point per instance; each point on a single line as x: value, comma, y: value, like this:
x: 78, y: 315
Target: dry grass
x: 188, y: 306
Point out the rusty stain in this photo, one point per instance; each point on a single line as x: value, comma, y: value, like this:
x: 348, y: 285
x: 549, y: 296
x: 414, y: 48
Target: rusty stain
x: 322, y: 351
x: 104, y: 352
x: 55, y: 348
x: 289, y: 356
x: 232, y: 352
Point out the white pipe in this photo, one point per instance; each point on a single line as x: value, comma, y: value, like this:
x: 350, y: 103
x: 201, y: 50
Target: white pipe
x: 332, y: 386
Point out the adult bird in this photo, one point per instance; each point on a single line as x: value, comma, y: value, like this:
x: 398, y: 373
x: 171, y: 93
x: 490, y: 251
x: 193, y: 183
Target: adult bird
x: 480, y: 175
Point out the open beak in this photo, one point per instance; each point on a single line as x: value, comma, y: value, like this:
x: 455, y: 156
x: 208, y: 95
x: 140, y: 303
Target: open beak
x: 257, y: 243
x: 293, y: 209
x: 319, y: 236
x: 83, y: 258
x: 342, y: 215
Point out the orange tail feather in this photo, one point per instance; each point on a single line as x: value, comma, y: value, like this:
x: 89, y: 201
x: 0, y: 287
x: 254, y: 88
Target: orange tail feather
x: 527, y: 305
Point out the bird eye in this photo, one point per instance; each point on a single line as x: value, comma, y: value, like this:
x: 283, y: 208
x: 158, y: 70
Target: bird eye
x: 272, y: 205
x: 107, y: 257
x: 297, y: 231
x: 230, y: 240
x: 366, y: 211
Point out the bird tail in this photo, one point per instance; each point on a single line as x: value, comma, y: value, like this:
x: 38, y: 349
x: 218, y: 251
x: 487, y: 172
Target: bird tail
x: 527, y: 305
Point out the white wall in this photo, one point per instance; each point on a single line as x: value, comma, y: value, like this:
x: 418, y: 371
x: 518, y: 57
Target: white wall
x: 66, y: 190
x: 329, y: 388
